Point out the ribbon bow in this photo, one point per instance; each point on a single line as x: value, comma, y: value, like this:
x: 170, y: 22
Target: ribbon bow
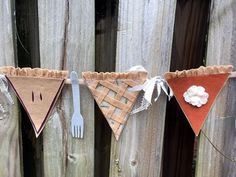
x: 4, y: 90
x: 148, y: 87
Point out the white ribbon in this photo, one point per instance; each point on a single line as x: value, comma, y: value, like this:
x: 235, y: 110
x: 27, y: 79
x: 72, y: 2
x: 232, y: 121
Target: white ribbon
x: 4, y: 90
x: 148, y: 87
x: 137, y: 68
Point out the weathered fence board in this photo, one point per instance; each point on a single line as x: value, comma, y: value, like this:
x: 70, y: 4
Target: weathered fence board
x: 80, y: 52
x: 67, y: 42
x: 10, y: 159
x: 220, y: 125
x: 106, y: 27
x: 52, y: 22
x: 188, y: 51
x: 144, y: 36
x: 6, y: 34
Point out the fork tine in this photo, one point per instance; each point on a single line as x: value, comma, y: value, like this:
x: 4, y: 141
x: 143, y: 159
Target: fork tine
x: 77, y: 132
x: 82, y: 131
x: 72, y: 131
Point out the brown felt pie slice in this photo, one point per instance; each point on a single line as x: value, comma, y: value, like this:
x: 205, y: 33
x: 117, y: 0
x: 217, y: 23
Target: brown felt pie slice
x: 211, y: 78
x: 110, y: 91
x: 37, y: 90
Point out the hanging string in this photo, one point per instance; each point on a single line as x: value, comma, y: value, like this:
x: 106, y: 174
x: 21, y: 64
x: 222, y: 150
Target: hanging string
x: 217, y: 149
x: 19, y: 39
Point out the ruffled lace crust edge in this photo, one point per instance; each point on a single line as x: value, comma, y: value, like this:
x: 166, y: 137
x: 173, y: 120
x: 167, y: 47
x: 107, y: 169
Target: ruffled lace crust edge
x: 33, y: 72
x: 134, y: 75
x: 201, y: 71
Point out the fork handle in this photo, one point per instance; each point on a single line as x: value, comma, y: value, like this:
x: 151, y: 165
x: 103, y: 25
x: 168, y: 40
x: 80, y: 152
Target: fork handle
x: 75, y: 91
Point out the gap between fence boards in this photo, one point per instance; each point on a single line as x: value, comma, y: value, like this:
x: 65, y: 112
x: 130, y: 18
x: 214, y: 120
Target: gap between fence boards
x: 82, y: 82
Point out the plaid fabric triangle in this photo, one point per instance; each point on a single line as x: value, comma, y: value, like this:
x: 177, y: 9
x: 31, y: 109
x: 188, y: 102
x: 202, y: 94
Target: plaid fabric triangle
x: 110, y: 91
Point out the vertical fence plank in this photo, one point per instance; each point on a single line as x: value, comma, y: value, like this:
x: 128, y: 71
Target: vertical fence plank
x: 79, y: 56
x: 144, y: 36
x: 6, y: 33
x: 52, y: 21
x: 28, y: 56
x: 66, y: 31
x: 220, y: 125
x: 188, y: 51
x: 106, y: 25
x: 10, y: 162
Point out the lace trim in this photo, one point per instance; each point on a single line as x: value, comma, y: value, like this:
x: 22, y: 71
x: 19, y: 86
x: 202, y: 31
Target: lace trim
x: 134, y: 75
x: 35, y: 72
x: 201, y: 71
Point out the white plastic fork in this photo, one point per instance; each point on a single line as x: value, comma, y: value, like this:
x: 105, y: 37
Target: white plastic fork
x: 77, y: 121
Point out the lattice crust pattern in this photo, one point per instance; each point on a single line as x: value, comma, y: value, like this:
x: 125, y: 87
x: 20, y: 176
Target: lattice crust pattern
x: 113, y: 97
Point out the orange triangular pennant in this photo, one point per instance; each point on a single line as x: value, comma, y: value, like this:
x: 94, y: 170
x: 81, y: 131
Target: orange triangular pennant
x: 212, y: 79
x: 37, y: 90
x: 110, y: 91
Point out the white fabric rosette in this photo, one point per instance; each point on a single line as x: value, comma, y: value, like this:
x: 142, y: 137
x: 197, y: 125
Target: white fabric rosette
x: 196, y: 96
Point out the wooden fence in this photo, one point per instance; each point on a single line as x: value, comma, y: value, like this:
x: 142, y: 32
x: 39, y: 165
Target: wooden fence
x: 113, y: 35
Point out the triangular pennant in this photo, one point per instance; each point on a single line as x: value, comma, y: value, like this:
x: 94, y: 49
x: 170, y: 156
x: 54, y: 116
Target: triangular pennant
x: 37, y: 90
x: 189, y: 85
x: 110, y: 91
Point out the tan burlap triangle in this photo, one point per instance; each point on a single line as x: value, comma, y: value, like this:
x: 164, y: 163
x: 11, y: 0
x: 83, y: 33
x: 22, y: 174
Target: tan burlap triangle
x: 110, y: 90
x: 211, y: 78
x: 38, y: 90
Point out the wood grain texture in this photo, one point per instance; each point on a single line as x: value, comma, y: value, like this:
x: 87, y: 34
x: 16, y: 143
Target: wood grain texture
x: 106, y: 25
x: 144, y: 36
x: 52, y: 23
x: 80, y: 52
x: 220, y: 125
x: 188, y: 51
x: 10, y: 158
x: 28, y: 56
x: 66, y: 31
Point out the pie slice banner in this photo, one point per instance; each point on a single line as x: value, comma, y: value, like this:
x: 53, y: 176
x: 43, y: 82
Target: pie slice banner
x: 196, y: 90
x: 110, y: 91
x: 37, y: 90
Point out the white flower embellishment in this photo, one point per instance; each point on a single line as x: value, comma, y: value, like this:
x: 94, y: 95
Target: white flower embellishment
x: 196, y: 96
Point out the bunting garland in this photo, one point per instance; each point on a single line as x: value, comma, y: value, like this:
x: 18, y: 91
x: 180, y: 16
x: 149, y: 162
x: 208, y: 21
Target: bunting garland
x: 115, y: 93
